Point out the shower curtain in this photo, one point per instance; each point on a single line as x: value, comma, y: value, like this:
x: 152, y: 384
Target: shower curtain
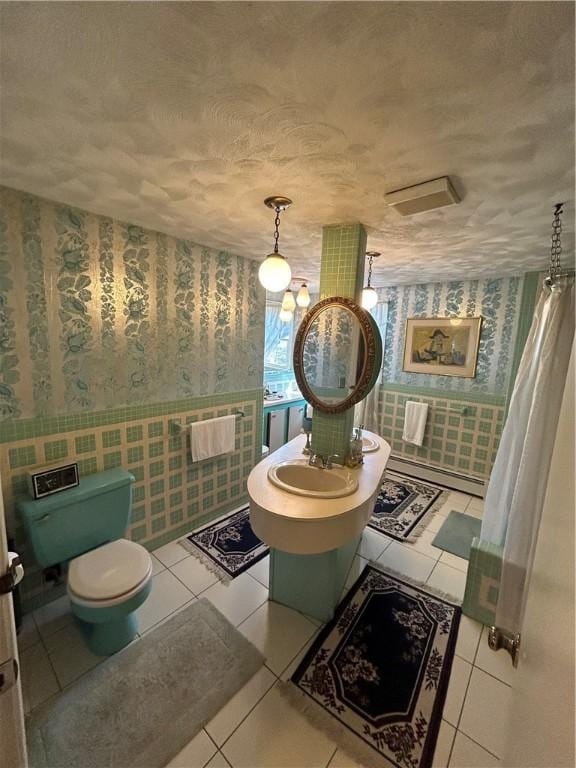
x: 515, y: 494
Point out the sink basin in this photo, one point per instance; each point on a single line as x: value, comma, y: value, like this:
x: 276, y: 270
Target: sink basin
x: 297, y: 476
x: 369, y: 445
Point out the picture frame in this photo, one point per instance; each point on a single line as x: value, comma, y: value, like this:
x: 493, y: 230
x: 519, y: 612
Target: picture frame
x: 442, y: 346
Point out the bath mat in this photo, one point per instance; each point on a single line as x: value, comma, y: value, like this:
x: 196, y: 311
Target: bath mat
x: 376, y: 677
x: 142, y: 706
x: 456, y: 534
x: 229, y: 546
x: 404, y: 507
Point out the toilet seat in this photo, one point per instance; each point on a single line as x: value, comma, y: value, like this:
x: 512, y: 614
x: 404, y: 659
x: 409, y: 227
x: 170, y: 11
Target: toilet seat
x: 109, y: 575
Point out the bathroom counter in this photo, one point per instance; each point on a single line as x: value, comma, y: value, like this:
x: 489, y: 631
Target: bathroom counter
x: 306, y: 525
x: 283, y: 400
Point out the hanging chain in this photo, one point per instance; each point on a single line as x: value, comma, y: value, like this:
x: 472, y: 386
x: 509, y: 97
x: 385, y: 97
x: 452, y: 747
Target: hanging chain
x: 276, y: 228
x: 556, y: 246
x: 370, y: 260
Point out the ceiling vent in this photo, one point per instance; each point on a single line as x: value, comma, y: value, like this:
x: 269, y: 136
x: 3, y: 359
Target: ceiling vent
x: 423, y: 197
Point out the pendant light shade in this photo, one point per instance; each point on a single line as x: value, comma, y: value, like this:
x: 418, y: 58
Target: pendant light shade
x: 275, y: 273
x: 288, y: 302
x: 285, y: 315
x: 369, y: 298
x: 303, y: 297
x: 369, y: 294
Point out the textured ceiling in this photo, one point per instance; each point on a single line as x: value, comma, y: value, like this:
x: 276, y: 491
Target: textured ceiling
x: 184, y: 116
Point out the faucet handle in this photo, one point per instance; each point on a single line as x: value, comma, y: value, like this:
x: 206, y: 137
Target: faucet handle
x: 329, y: 460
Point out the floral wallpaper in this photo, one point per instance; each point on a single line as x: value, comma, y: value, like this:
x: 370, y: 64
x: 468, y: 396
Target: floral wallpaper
x: 497, y: 300
x: 96, y: 313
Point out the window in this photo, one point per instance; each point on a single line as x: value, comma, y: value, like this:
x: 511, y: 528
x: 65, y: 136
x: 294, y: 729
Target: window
x: 277, y: 339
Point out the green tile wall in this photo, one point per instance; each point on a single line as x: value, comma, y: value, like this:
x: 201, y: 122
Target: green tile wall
x: 167, y: 498
x: 460, y: 435
x: 341, y: 274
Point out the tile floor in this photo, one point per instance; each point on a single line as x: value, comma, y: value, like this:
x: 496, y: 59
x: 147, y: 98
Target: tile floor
x: 257, y: 728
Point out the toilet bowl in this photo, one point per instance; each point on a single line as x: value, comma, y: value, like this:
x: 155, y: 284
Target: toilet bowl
x: 105, y: 587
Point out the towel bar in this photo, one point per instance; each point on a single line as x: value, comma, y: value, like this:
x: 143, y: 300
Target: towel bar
x: 176, y: 428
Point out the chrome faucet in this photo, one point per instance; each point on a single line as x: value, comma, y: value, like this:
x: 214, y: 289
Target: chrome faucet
x: 323, y: 462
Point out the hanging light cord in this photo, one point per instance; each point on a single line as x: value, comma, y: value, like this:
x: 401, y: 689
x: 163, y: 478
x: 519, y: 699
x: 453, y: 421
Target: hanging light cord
x: 276, y: 228
x: 556, y: 246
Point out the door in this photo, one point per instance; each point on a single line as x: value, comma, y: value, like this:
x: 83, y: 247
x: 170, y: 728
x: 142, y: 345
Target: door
x: 295, y: 416
x: 276, y: 429
x: 12, y: 741
x: 541, y: 724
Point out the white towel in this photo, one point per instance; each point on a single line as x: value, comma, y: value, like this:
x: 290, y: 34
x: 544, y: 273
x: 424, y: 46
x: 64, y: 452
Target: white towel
x: 415, y: 415
x: 212, y: 437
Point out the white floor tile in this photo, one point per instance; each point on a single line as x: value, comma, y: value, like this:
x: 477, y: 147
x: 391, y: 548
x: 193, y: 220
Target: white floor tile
x: 407, y: 561
x: 261, y: 571
x: 358, y: 565
x: 459, y: 677
x: 232, y: 714
x: 278, y: 632
x: 443, y: 745
x: 485, y: 714
x: 458, y: 501
x: 448, y: 580
x: 39, y: 682
x: 167, y: 595
x: 423, y: 544
x: 496, y: 663
x: 28, y: 634
x: 53, y: 616
x: 294, y: 664
x: 218, y: 761
x: 468, y: 754
x: 194, y: 574
x: 342, y: 760
x: 171, y: 553
x: 435, y: 523
x: 474, y: 512
x: 460, y: 563
x: 372, y: 544
x: 70, y: 656
x: 275, y: 735
x: 238, y: 599
x: 196, y: 754
x: 157, y: 566
x: 475, y: 504
x: 468, y: 637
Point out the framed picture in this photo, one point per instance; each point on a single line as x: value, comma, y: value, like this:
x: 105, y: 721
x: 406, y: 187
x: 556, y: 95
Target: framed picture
x: 443, y: 346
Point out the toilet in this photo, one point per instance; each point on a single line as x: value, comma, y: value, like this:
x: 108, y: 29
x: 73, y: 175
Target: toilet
x: 109, y: 577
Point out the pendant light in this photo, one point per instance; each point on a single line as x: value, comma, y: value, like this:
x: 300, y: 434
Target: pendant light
x: 303, y: 297
x: 288, y: 302
x: 369, y: 294
x: 285, y: 315
x: 275, y: 273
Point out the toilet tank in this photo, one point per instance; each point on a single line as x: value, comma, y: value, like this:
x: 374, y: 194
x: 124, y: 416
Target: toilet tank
x: 69, y: 523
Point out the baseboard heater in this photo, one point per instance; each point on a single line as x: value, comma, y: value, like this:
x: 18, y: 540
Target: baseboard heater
x: 435, y: 475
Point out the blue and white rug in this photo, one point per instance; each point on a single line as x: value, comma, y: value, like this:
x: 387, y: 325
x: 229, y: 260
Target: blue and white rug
x: 229, y: 547
x: 376, y: 677
x: 404, y: 507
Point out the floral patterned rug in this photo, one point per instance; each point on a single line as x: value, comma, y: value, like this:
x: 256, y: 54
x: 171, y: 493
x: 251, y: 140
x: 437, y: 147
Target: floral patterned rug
x: 404, y: 507
x: 228, y: 546
x: 376, y: 676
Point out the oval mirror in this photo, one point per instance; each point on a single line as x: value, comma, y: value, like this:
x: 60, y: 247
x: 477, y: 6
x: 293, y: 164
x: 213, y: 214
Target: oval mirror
x: 337, y: 355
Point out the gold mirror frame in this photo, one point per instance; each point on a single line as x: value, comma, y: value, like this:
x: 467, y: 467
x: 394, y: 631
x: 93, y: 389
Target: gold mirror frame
x: 372, y: 354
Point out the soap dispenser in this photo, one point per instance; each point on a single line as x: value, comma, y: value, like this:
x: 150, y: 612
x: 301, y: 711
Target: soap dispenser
x: 355, y: 457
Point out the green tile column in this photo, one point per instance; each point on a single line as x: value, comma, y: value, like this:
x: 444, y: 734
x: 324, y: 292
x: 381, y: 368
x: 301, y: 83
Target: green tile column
x: 341, y: 274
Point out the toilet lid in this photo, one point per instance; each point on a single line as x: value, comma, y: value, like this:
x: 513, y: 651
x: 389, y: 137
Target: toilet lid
x: 109, y: 571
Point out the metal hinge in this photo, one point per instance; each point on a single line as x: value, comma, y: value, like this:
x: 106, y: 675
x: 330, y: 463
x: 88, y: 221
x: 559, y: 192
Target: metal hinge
x: 9, y: 580
x: 500, y: 638
x: 8, y: 675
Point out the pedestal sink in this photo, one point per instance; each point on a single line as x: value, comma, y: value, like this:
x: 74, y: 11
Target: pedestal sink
x: 312, y: 519
x: 297, y: 476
